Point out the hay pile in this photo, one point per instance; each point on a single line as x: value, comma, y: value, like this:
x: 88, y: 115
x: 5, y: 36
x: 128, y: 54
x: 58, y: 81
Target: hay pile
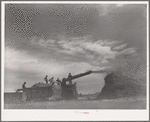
x: 119, y: 86
x: 57, y: 91
x: 40, y: 84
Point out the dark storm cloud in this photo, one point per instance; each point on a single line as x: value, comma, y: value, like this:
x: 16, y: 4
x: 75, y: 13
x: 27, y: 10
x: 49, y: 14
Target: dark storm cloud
x: 20, y: 20
x: 51, y: 24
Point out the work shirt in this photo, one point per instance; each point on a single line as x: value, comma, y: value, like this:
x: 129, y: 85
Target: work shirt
x: 69, y: 76
x: 63, y: 83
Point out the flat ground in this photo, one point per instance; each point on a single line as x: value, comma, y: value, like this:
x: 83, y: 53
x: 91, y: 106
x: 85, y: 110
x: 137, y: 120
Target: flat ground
x: 80, y: 104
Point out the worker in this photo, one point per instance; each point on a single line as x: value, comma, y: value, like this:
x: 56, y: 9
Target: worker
x: 23, y: 86
x: 46, y: 79
x: 23, y: 93
x: 63, y: 83
x: 51, y: 80
x: 58, y: 81
x: 70, y: 76
x: 63, y: 86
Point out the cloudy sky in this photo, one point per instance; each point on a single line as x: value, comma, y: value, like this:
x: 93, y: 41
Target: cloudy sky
x: 55, y: 39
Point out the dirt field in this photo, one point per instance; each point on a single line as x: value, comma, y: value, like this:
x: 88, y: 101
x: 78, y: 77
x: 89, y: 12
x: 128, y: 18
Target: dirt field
x: 81, y: 104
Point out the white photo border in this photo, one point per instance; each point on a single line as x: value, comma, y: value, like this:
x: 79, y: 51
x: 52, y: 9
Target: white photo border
x: 68, y: 114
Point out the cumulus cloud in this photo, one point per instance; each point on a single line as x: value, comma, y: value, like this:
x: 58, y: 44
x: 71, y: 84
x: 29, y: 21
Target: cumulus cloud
x: 97, y: 53
x: 44, y: 43
x: 127, y: 52
x: 120, y: 47
x: 71, y: 46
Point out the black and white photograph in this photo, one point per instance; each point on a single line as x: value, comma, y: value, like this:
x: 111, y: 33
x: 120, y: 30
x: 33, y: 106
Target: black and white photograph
x: 75, y: 56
